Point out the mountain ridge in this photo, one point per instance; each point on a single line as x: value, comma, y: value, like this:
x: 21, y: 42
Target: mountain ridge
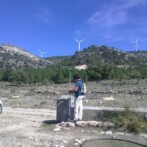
x: 103, y: 55
x: 15, y: 57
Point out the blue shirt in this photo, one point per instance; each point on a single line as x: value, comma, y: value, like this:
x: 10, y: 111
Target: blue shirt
x: 78, y: 84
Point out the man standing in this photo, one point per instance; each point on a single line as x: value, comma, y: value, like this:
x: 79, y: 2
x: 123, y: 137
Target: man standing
x: 78, y: 107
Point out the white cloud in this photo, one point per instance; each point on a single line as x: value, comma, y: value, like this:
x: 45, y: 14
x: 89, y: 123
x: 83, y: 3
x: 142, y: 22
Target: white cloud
x: 45, y: 16
x: 132, y: 3
x: 115, y: 14
x: 108, y: 17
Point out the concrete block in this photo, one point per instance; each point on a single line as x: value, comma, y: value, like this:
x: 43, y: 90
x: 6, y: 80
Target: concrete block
x: 65, y: 108
x: 106, y: 113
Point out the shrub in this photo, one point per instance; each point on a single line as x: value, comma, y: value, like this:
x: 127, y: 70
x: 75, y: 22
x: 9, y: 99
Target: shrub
x: 130, y: 121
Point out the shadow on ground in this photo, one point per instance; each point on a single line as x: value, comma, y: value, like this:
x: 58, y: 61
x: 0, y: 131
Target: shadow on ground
x: 50, y: 122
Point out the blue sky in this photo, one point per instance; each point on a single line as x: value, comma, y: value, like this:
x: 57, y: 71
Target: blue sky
x: 51, y: 25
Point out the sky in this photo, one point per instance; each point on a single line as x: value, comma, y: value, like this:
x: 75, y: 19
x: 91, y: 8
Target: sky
x: 51, y: 25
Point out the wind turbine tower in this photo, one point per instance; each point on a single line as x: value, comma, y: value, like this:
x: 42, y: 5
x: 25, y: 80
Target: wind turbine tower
x: 136, y: 44
x: 79, y: 43
x: 41, y: 53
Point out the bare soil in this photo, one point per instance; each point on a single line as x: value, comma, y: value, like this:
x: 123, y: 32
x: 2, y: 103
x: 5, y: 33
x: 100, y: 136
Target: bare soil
x: 29, y: 115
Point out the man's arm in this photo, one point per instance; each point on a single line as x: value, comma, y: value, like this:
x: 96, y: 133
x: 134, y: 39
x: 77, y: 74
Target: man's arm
x: 73, y: 90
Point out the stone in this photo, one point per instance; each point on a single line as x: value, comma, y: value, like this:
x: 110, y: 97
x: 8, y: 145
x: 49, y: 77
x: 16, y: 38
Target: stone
x: 86, y: 101
x: 100, y: 123
x: 57, y: 129
x: 120, y: 133
x: 67, y: 124
x: 110, y: 98
x: 76, y: 144
x: 78, y: 141
x: 81, y: 124
x: 108, y: 133
x: 70, y: 124
x: 93, y: 123
x: 102, y: 132
x: 63, y: 124
x: 88, y: 123
x: 94, y: 131
x: 82, y: 131
x: 108, y: 125
x: 143, y: 135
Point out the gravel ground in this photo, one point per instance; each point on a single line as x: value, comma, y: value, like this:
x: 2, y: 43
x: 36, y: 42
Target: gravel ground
x: 30, y: 113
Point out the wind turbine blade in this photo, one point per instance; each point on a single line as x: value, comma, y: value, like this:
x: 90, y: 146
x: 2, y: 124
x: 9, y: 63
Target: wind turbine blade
x: 137, y: 40
x: 76, y: 40
x: 82, y: 40
x: 138, y: 46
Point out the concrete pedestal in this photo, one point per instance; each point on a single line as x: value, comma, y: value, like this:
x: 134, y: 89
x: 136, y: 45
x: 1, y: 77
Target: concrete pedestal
x: 65, y: 108
x: 106, y: 113
x: 65, y: 111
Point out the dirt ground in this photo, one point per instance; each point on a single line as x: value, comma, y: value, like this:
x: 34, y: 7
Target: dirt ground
x: 29, y: 114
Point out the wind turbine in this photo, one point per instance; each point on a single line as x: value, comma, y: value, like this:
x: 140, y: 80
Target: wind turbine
x: 79, y: 42
x: 136, y: 44
x: 41, y: 53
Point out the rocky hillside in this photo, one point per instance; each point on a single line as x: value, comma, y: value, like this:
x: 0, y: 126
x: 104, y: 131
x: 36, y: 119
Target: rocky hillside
x: 58, y: 59
x: 14, y: 57
x: 104, y: 55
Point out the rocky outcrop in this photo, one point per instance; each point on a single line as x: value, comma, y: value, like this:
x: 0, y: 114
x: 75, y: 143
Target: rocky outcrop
x: 15, y: 57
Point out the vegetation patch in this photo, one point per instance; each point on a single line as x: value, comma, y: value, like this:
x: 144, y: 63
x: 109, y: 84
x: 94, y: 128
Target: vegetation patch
x: 130, y: 121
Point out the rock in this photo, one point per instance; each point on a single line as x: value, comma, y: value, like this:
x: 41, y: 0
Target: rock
x: 89, y: 123
x: 76, y: 144
x: 83, y: 139
x: 107, y: 125
x: 65, y: 141
x: 109, y: 90
x: 143, y: 135
x: 82, y: 131
x: 110, y: 98
x: 93, y: 123
x: 78, y: 141
x: 36, y: 139
x: 102, y: 132
x: 36, y: 126
x: 94, y: 131
x: 119, y: 133
x: 70, y: 124
x: 16, y: 97
x: 66, y: 128
x: 30, y: 137
x: 67, y: 124
x: 100, y: 123
x: 63, y: 124
x: 81, y: 124
x: 57, y: 129
x: 86, y: 101
x: 108, y: 133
